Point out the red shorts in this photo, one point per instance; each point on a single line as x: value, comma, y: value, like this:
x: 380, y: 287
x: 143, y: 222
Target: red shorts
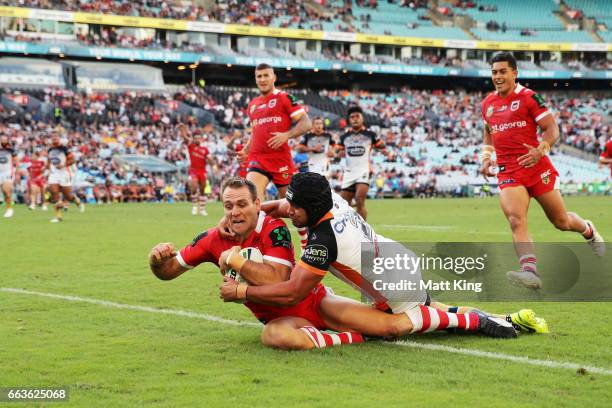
x: 307, y: 309
x: 198, y: 174
x: 278, y: 169
x: 537, y: 180
x: 38, y: 181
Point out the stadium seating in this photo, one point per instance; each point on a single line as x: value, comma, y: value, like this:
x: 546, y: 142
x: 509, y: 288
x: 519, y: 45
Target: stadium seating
x: 518, y: 14
x: 535, y: 36
x: 432, y: 137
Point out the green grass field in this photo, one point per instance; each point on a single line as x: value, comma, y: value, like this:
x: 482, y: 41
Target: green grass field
x: 111, y: 356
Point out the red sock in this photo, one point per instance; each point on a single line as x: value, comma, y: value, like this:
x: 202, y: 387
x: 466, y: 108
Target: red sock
x: 528, y: 263
x: 303, y: 233
x: 425, y: 319
x: 322, y: 339
x: 588, y: 231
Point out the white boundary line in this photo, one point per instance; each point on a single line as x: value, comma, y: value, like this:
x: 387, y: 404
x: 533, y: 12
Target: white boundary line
x: 404, y: 343
x: 184, y: 313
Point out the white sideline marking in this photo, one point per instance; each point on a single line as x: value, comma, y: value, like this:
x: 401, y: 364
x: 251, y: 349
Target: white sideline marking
x: 500, y: 356
x: 404, y: 343
x: 184, y: 313
x: 417, y: 227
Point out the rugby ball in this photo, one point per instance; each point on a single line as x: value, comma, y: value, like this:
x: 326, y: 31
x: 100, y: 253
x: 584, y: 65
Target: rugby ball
x: 250, y: 253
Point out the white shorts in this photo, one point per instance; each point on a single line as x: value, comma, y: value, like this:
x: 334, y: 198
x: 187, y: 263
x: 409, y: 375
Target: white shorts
x: 322, y: 169
x: 63, y: 177
x: 6, y: 178
x: 350, y: 178
x: 398, y: 299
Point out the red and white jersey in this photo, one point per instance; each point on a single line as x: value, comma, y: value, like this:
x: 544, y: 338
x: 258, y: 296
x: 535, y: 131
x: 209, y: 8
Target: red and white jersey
x: 36, y: 169
x: 271, y: 236
x: 197, y: 156
x: 270, y: 114
x: 6, y: 160
x: 607, y: 153
x: 512, y: 121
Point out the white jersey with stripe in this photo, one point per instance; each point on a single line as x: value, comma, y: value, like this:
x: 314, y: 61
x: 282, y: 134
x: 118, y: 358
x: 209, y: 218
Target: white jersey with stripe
x: 346, y: 245
x: 318, y: 161
x: 358, y: 145
x: 58, y: 156
x: 6, y: 160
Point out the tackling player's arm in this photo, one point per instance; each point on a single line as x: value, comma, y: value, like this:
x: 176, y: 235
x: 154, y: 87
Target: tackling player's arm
x: 163, y: 262
x: 254, y: 273
x: 287, y: 293
x: 309, y: 271
x: 276, y: 208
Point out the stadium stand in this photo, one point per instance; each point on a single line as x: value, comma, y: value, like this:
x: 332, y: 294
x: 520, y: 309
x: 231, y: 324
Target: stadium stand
x: 433, y: 137
x: 493, y: 20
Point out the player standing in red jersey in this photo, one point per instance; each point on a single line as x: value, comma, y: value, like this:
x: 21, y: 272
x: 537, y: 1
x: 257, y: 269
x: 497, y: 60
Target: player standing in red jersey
x: 512, y: 115
x: 286, y: 327
x: 198, y: 157
x: 606, y: 155
x: 36, y: 179
x: 271, y: 115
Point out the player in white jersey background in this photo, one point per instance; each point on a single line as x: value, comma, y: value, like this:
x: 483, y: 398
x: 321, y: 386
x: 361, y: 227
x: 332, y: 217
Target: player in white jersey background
x: 61, y: 174
x: 319, y: 145
x: 356, y: 144
x: 7, y: 173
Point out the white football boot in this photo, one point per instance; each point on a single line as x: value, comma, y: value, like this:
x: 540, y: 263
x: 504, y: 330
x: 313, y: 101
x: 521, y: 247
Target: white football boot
x: 596, y: 242
x: 526, y: 279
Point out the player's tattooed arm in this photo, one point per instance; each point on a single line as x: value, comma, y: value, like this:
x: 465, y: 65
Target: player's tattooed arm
x: 163, y: 262
x: 265, y: 273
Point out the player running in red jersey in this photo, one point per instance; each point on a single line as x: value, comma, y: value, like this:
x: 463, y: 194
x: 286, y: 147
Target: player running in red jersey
x: 36, y: 179
x: 512, y: 115
x: 606, y: 155
x: 7, y: 173
x: 198, y: 157
x: 286, y: 327
x: 271, y: 116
